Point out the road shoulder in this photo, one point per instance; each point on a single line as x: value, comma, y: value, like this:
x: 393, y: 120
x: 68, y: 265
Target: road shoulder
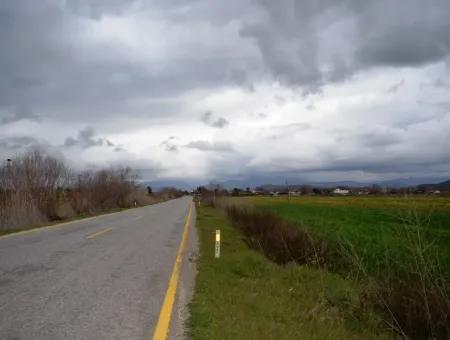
x: 188, y: 272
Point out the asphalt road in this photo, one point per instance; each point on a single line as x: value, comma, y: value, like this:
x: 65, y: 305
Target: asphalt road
x: 104, y: 278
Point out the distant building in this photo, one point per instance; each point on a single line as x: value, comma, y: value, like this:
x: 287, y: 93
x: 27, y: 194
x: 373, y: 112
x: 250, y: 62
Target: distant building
x: 339, y: 191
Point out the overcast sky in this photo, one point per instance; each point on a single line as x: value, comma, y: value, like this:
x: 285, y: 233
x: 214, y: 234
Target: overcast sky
x: 206, y: 89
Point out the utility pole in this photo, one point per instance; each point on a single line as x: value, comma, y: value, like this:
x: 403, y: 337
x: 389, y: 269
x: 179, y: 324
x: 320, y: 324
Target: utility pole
x: 288, y: 192
x: 8, y: 174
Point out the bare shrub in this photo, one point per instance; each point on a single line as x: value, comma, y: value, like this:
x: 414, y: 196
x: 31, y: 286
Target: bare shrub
x: 32, y: 184
x: 36, y: 188
x: 102, y: 190
x: 414, y: 308
x: 414, y: 291
x: 17, y: 211
x: 278, y: 239
x: 64, y: 210
x: 167, y: 194
x: 211, y: 196
x: 141, y: 197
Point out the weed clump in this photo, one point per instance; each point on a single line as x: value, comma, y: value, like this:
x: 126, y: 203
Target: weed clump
x: 277, y: 238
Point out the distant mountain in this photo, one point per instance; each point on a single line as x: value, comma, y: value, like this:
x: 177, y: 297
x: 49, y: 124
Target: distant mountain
x: 443, y: 186
x: 255, y: 181
x: 350, y: 184
x: 409, y: 182
x: 158, y: 185
x: 278, y: 183
x: 282, y: 187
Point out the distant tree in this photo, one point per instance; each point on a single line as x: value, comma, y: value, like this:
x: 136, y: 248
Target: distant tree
x: 149, y: 190
x: 215, y: 186
x: 235, y: 192
x: 375, y: 189
x: 306, y: 189
x: 317, y: 191
x: 201, y: 190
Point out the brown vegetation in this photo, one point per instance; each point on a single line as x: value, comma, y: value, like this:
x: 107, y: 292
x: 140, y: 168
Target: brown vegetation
x: 36, y: 188
x: 276, y: 238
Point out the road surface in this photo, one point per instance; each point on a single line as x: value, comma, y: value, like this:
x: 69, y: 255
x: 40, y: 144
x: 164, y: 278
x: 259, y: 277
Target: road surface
x: 103, y: 278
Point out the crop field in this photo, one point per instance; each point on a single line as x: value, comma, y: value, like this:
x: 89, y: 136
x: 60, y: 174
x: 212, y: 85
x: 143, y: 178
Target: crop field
x: 397, y: 248
x: 376, y: 227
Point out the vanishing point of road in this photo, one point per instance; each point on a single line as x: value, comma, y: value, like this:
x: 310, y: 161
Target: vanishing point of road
x: 99, y: 278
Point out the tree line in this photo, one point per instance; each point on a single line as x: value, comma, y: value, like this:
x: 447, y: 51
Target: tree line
x: 36, y: 188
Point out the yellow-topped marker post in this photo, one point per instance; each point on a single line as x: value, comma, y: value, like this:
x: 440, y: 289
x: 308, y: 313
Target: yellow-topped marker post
x: 217, y: 254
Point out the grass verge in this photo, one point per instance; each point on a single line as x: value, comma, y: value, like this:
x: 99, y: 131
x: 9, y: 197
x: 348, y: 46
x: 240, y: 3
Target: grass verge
x: 244, y: 295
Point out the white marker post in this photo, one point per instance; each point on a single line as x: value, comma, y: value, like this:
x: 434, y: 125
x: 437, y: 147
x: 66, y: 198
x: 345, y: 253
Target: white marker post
x: 217, y: 255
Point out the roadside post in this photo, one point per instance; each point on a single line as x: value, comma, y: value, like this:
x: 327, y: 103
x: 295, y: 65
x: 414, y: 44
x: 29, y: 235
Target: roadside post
x: 217, y: 253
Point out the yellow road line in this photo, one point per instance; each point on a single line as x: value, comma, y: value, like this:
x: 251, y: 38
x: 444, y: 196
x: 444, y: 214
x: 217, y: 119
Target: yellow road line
x: 98, y: 233
x: 162, y: 327
x: 54, y: 226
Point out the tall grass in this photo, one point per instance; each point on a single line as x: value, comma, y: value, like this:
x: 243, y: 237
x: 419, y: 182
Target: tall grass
x: 414, y: 289
x: 409, y: 290
x: 36, y: 188
x: 276, y: 238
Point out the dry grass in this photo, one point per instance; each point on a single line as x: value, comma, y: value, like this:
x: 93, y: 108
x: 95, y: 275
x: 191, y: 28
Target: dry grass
x: 36, y: 188
x: 276, y: 238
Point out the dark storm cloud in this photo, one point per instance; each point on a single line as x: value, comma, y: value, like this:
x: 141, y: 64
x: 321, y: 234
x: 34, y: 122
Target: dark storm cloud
x: 373, y: 140
x: 50, y: 62
x: 86, y: 139
x: 13, y: 146
x: 95, y: 9
x: 220, y: 123
x: 404, y: 33
x: 287, y: 39
x: 311, y: 42
x: 60, y: 66
x: 169, y: 144
x: 21, y: 113
x: 394, y: 88
x: 52, y: 67
x: 402, y: 162
x: 210, y: 120
x: 206, y: 117
x: 17, y: 143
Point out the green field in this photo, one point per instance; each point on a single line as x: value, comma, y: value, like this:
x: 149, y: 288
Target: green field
x: 385, y: 271
x: 243, y: 295
x: 377, y: 227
